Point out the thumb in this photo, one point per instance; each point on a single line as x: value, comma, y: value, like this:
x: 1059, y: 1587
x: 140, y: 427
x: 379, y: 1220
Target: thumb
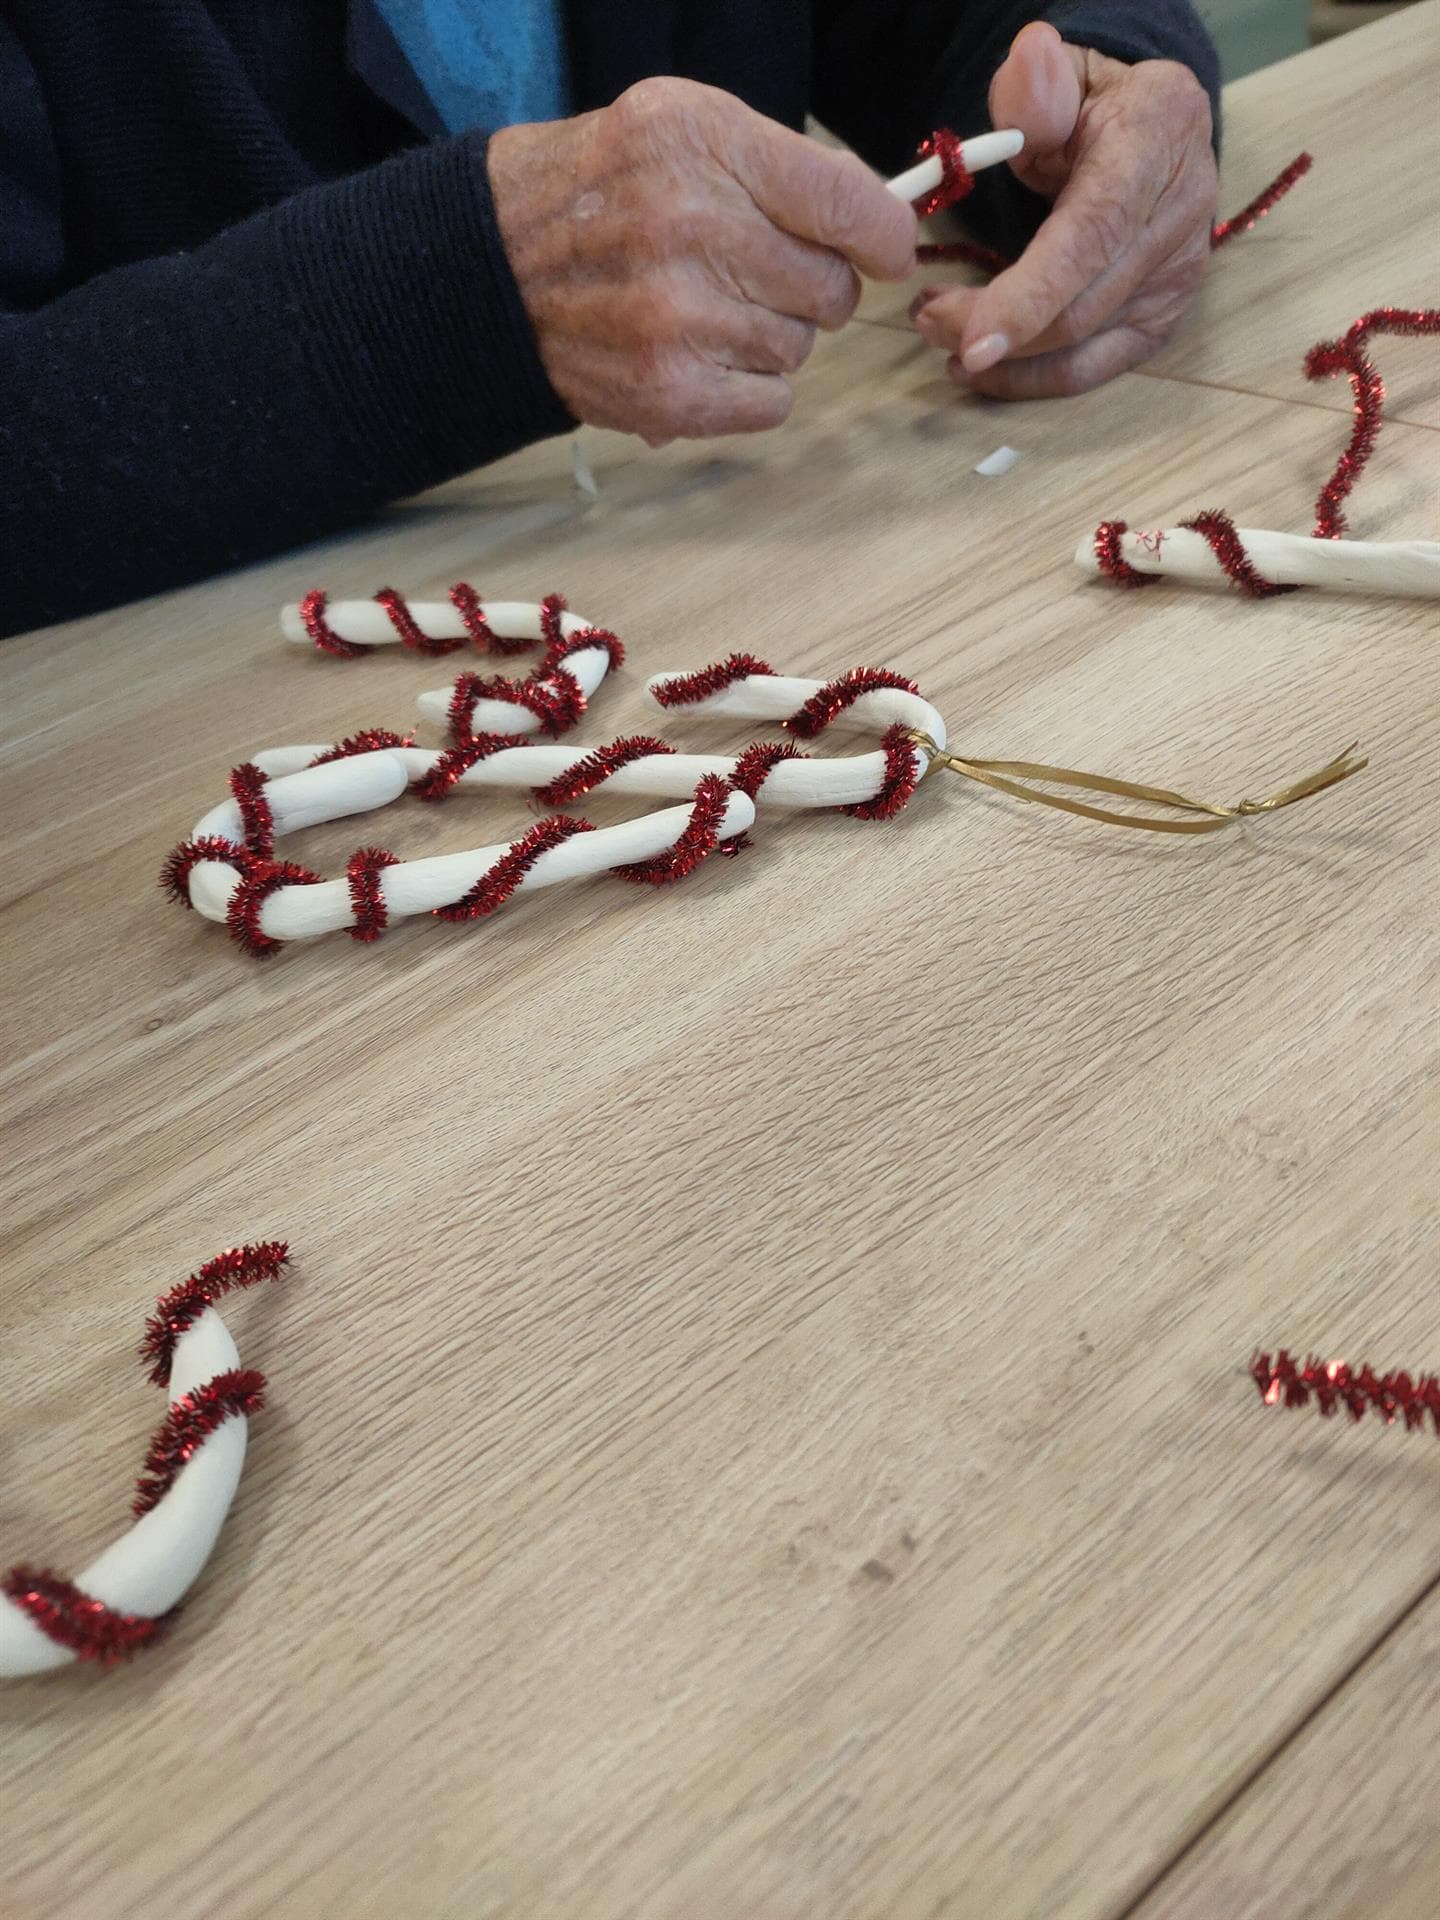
x: 1038, y: 88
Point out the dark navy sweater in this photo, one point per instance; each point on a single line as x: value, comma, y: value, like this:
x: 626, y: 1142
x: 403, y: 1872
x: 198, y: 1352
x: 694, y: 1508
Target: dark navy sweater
x: 245, y: 301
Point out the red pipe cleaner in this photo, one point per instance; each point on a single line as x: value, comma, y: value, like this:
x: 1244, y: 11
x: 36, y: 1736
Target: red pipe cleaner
x: 837, y: 696
x: 688, y: 688
x: 175, y: 874
x: 902, y: 776
x: 466, y: 602
x: 597, y: 767
x: 86, y: 1626
x: 462, y: 596
x: 697, y: 842
x: 258, y: 881
x: 956, y: 180
x: 1346, y: 355
x: 554, y: 696
x: 191, y: 1420
x: 497, y: 883
x: 755, y: 765
x: 183, y: 1305
x: 367, y: 902
x: 368, y: 740
x: 90, y: 1629
x: 257, y: 823
x: 972, y: 253
x: 259, y: 878
x: 1332, y: 1384
x: 1250, y: 217
x: 459, y: 759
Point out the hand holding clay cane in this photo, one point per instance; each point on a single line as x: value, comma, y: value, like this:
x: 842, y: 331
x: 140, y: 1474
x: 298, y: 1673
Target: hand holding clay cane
x: 124, y: 1600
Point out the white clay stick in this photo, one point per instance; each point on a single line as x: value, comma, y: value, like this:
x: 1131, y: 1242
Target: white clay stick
x: 985, y: 150
x: 422, y: 886
x: 365, y: 623
x: 1408, y: 568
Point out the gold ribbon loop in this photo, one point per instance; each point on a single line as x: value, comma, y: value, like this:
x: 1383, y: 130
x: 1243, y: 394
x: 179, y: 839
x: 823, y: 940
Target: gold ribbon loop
x: 1009, y: 776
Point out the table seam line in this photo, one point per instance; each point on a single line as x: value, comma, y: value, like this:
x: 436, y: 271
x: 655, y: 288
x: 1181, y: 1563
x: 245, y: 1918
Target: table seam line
x: 1133, y: 1908
x: 1214, y: 386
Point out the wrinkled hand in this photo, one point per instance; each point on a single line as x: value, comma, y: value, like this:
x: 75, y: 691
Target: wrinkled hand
x: 1125, y: 154
x: 676, y: 252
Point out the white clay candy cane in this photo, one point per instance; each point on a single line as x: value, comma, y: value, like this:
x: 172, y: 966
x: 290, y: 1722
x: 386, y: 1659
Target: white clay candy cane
x: 873, y: 785
x: 349, y: 628
x: 124, y: 1600
x: 228, y: 872
x: 868, y: 786
x: 264, y: 902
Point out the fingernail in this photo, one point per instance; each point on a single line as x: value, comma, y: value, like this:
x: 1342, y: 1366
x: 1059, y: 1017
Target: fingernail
x: 926, y: 325
x: 985, y: 352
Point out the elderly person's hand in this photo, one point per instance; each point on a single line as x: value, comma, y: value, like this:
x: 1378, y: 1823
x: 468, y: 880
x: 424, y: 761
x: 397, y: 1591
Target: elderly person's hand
x: 1125, y: 153
x: 676, y: 252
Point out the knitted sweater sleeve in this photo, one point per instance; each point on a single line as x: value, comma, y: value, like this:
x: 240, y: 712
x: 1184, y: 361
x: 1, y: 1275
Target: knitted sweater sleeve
x: 360, y: 341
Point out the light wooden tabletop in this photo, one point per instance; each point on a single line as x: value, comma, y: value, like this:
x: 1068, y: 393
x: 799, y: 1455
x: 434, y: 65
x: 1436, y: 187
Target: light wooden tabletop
x: 758, y: 1423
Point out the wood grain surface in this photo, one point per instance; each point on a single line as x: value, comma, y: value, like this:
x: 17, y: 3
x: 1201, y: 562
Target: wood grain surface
x: 758, y: 1426
x: 1342, y: 1827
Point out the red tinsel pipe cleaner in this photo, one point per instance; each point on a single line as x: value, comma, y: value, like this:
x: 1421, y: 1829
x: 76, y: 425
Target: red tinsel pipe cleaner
x: 1332, y: 1384
x: 1347, y: 355
x: 127, y: 1597
x: 972, y: 253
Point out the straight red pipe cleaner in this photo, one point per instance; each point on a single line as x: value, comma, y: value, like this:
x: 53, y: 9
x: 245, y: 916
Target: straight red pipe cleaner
x: 972, y: 253
x: 1332, y: 1384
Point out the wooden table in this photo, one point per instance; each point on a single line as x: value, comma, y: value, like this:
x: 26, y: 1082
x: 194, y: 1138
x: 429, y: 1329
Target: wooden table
x: 758, y: 1425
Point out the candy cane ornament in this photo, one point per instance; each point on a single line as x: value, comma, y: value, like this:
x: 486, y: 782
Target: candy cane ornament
x: 872, y: 786
x: 1210, y: 551
x: 124, y: 1600
x: 350, y: 628
x: 228, y: 870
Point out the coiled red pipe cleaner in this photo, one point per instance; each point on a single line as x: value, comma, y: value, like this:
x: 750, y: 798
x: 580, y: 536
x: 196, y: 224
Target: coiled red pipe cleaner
x: 1348, y: 355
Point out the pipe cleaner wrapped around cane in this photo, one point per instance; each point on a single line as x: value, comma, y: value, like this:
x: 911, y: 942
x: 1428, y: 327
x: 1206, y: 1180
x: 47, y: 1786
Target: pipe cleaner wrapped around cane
x: 1209, y: 548
x: 124, y: 1600
x: 229, y: 869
